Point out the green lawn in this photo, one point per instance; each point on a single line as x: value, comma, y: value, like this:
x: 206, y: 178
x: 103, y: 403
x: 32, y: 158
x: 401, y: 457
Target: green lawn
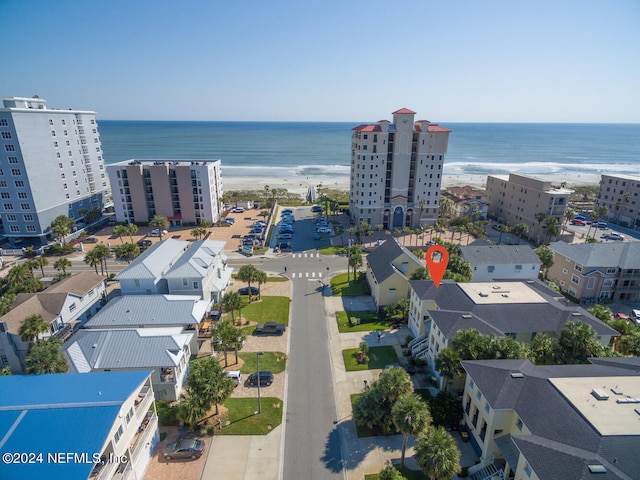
x: 244, y: 422
x: 340, y: 286
x: 369, y: 321
x: 378, y: 358
x: 274, y: 362
x: 268, y: 309
x: 333, y: 250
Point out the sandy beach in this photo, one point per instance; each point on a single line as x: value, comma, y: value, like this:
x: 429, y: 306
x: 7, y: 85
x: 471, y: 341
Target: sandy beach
x: 341, y: 182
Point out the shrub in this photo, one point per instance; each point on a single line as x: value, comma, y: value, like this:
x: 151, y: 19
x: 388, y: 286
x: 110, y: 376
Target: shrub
x: 167, y: 414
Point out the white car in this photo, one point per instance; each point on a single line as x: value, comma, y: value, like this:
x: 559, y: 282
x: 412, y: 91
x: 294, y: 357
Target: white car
x: 237, y: 210
x: 156, y: 233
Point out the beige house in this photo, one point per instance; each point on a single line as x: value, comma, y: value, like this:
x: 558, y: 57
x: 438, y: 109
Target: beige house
x: 592, y: 272
x: 549, y: 422
x: 517, y: 199
x: 389, y: 268
x: 467, y: 201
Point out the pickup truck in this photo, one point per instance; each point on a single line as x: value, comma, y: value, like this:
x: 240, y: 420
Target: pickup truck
x: 270, y: 328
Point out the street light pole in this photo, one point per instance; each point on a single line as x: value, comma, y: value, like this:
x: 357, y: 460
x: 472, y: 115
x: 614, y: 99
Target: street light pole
x: 258, y: 374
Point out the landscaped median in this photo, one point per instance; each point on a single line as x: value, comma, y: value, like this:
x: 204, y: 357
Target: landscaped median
x: 274, y: 362
x: 268, y: 308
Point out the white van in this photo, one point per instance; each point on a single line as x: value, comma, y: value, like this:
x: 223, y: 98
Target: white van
x: 235, y: 375
x: 635, y: 315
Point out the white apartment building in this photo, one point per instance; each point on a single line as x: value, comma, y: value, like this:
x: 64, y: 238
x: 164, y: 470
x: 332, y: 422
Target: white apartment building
x: 186, y: 192
x: 396, y: 171
x: 50, y: 164
x: 619, y: 193
x: 517, y: 199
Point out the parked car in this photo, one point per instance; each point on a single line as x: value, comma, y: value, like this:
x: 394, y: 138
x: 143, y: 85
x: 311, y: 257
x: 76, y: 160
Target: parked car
x: 286, y: 230
x: 613, y: 236
x: 316, y: 209
x: 187, y: 448
x: 288, y: 219
x: 235, y: 375
x: 156, y: 233
x: 144, y: 243
x: 266, y: 378
x: 580, y: 216
x: 270, y: 328
x: 90, y: 240
x: 284, y: 247
x: 602, y: 225
x: 260, y: 224
x: 286, y: 211
x: 578, y: 222
x: 285, y: 236
x: 245, y: 291
x: 237, y: 210
x: 635, y: 316
x: 255, y: 230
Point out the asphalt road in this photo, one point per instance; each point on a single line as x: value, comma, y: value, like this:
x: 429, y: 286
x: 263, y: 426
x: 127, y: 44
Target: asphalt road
x: 312, y: 443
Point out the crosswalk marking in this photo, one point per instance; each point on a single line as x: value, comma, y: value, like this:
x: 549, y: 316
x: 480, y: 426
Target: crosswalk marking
x: 306, y: 255
x: 313, y: 277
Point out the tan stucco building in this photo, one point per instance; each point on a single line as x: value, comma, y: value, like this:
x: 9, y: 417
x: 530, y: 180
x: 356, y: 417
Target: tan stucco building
x: 396, y: 171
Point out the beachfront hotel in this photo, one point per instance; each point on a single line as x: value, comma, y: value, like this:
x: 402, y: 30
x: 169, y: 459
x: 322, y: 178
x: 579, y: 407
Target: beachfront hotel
x: 517, y: 199
x: 186, y: 192
x: 396, y: 171
x: 50, y: 164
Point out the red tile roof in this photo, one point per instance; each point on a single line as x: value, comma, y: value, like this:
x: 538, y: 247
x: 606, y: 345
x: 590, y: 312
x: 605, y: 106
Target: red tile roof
x: 437, y: 128
x: 404, y: 110
x: 367, y: 128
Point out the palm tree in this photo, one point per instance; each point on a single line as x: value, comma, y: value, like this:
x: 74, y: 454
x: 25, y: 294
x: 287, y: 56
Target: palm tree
x: 199, y: 232
x: 568, y: 216
x: 227, y: 336
x: 19, y: 274
x: 62, y: 226
x: 551, y: 226
x: 62, y: 264
x: 191, y: 408
x: 520, y: 229
x: 46, y: 357
x: 421, y: 205
x: 448, y: 364
x: 247, y: 273
x: 437, y: 454
x: 131, y: 229
x: 127, y: 251
x: 421, y: 273
x: 260, y: 278
x: 102, y: 252
x: 32, y: 327
x: 231, y: 302
x: 119, y: 231
x: 209, y: 382
x: 93, y: 259
x: 40, y: 262
x: 411, y: 416
x: 159, y: 222
x: 394, y: 383
x: 445, y: 206
x: 355, y: 260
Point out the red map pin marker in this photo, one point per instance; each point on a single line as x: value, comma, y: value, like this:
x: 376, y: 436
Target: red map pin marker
x: 437, y: 260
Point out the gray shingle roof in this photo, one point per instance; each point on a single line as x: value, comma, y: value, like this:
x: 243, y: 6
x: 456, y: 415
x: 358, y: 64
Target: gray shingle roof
x: 499, y: 254
x: 380, y: 260
x: 615, y: 254
x: 122, y: 349
x: 562, y: 441
x: 550, y: 316
x: 149, y: 310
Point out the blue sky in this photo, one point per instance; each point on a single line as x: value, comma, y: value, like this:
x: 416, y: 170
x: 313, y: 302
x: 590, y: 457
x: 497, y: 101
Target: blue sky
x: 331, y: 60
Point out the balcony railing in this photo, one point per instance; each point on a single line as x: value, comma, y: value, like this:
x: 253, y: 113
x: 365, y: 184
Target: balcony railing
x: 145, y: 397
x: 145, y: 433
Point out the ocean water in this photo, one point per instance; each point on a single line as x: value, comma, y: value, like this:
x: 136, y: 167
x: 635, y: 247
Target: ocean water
x: 308, y: 149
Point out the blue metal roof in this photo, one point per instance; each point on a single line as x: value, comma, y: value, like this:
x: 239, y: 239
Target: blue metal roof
x: 65, y: 413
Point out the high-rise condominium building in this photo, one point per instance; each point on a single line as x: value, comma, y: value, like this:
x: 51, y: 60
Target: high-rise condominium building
x: 517, y: 199
x: 50, y: 164
x: 186, y: 192
x: 396, y: 171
